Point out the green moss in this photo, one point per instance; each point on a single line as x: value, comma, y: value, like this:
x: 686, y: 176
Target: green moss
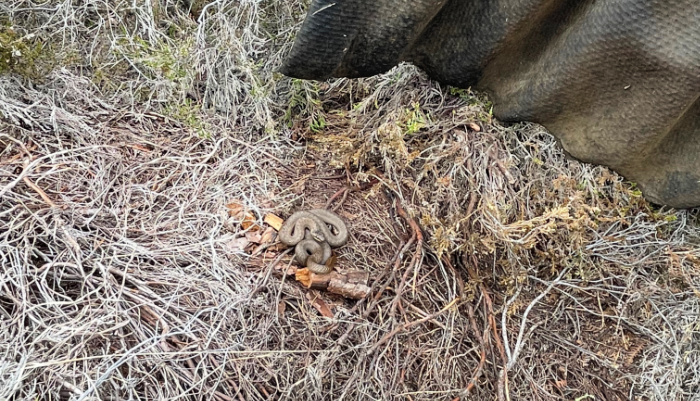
x: 24, y: 55
x: 480, y: 102
x: 188, y: 113
x: 305, y: 105
x: 159, y: 62
x: 318, y: 124
x: 415, y: 120
x: 463, y: 94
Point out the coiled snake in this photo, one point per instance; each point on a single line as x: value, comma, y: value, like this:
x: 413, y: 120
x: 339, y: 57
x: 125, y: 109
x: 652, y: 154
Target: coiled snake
x: 309, y: 231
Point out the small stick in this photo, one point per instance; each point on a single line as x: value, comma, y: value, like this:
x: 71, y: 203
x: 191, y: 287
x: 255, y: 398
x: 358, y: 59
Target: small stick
x: 38, y: 190
x: 269, y: 271
x: 345, y: 190
x: 408, y: 325
x: 460, y: 282
x: 385, y: 286
x: 472, y: 204
x: 333, y: 197
x: 379, y: 293
x: 503, y: 377
x: 482, y: 342
x: 229, y: 381
x: 351, y: 284
x: 413, y: 265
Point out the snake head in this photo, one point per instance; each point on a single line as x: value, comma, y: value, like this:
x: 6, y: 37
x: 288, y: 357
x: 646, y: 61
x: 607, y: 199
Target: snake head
x: 317, y: 235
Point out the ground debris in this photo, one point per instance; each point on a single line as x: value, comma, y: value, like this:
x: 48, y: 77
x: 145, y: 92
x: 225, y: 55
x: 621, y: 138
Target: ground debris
x: 273, y: 221
x: 349, y: 284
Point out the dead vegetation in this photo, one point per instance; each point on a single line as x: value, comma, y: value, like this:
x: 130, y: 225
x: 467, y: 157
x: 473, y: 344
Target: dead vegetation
x: 499, y: 269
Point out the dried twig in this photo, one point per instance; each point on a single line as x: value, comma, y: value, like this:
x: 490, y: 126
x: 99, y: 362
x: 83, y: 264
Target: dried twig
x: 481, y: 338
x: 408, y: 325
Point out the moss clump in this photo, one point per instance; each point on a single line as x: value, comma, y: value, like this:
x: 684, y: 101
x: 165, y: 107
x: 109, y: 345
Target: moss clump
x: 23, y: 55
x: 305, y: 107
x: 160, y: 61
x: 188, y: 113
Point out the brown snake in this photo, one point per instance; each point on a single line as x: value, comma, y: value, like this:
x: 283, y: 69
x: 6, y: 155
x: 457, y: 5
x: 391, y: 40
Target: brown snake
x: 309, y: 232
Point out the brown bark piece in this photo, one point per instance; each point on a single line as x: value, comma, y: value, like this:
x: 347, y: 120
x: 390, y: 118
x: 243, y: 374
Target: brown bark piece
x: 351, y: 284
x: 320, y: 305
x: 248, y: 221
x: 237, y: 244
x: 246, y: 218
x: 234, y: 208
x: 273, y: 221
x: 254, y: 236
x: 266, y: 242
x: 474, y: 126
x: 268, y: 236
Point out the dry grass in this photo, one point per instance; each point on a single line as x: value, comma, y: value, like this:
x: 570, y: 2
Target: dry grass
x: 129, y: 126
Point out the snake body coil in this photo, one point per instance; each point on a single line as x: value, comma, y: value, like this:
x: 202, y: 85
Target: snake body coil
x: 313, y: 255
x: 309, y: 231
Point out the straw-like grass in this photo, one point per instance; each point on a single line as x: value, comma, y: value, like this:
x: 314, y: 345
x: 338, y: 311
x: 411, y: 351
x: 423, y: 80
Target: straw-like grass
x: 127, y: 127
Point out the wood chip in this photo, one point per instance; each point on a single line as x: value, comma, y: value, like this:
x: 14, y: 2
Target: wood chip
x: 247, y: 219
x: 234, y: 208
x: 319, y: 304
x: 254, y: 236
x: 351, y: 284
x: 268, y: 236
x: 281, y: 307
x: 474, y: 126
x: 237, y: 244
x: 287, y: 269
x: 248, y: 222
x: 278, y: 247
x: 273, y: 221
